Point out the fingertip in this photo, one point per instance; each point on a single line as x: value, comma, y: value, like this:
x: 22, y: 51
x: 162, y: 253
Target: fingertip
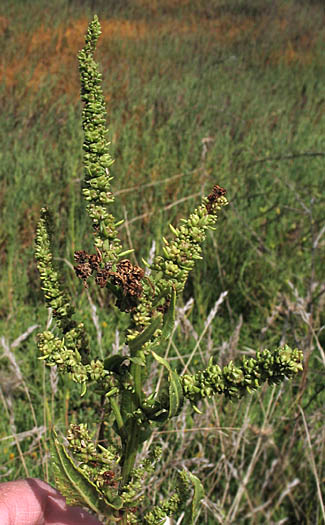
x: 18, y: 504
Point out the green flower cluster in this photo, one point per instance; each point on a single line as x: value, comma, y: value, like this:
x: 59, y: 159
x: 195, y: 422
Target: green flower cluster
x: 56, y: 299
x: 234, y: 381
x: 167, y: 508
x: 82, y: 445
x: 131, y: 491
x: 97, y: 159
x: 173, y: 504
x: 70, y: 352
x: 179, y: 256
x: 67, y: 354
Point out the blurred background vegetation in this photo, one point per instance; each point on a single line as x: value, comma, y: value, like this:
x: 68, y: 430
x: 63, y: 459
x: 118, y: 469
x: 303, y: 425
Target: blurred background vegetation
x: 198, y: 93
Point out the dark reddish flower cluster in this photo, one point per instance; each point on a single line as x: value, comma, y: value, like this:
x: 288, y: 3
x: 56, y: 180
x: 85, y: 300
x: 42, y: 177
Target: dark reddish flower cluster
x: 108, y: 478
x: 86, y: 264
x: 216, y: 193
x: 127, y: 277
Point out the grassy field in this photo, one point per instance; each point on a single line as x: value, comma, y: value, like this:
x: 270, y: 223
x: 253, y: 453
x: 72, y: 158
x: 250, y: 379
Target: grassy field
x: 198, y: 93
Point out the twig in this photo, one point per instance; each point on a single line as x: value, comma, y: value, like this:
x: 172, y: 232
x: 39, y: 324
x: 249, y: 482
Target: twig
x: 168, y: 207
x: 287, y: 157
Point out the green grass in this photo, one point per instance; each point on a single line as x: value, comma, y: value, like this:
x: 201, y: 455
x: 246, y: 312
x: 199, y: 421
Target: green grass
x: 227, y: 93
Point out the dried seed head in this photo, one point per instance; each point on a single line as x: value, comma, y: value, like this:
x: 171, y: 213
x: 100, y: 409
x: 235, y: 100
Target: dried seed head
x: 87, y: 264
x: 213, y: 197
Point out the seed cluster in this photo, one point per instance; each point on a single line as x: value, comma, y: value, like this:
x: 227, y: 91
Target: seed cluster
x: 234, y: 381
x: 179, y: 255
x: 125, y: 276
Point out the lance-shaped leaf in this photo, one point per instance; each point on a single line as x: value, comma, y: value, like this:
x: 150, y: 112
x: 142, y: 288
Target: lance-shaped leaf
x: 75, y: 487
x: 198, y: 494
x: 138, y: 342
x: 175, y: 387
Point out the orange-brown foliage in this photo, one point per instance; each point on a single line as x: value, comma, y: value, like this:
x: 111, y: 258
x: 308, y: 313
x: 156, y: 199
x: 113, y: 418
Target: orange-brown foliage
x: 153, y: 5
x: 4, y: 22
x: 55, y: 51
x: 50, y: 54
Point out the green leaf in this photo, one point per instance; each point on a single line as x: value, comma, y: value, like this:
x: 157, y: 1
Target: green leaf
x: 73, y: 484
x: 70, y: 479
x: 176, y: 396
x: 138, y: 360
x: 198, y: 495
x: 138, y: 342
x: 162, y: 361
x: 113, y: 362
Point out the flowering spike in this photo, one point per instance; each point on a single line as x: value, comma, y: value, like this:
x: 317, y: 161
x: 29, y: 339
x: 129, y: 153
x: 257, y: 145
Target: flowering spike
x: 97, y: 159
x: 234, y: 381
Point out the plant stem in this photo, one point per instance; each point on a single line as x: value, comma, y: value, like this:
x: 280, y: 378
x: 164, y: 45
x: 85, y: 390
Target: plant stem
x: 131, y: 450
x: 132, y: 438
x: 117, y: 413
x: 136, y: 372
